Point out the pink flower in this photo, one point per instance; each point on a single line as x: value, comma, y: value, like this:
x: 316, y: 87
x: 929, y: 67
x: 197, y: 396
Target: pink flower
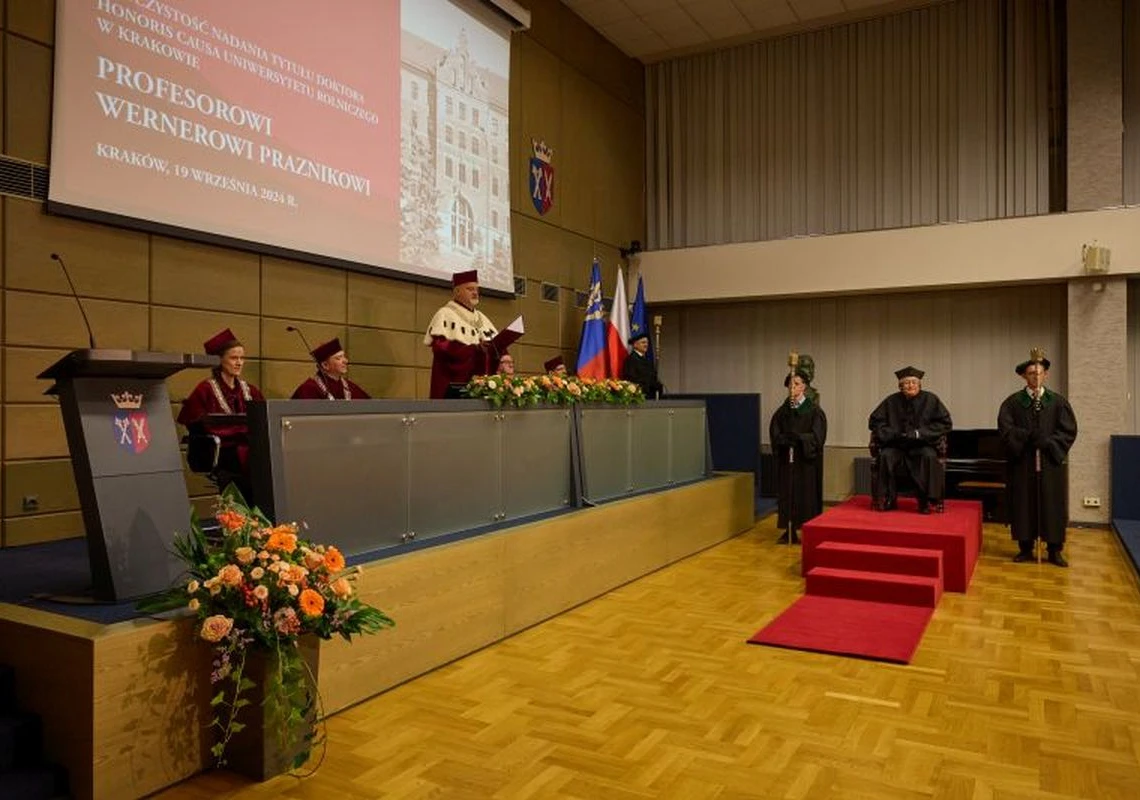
x: 215, y: 628
x: 285, y: 621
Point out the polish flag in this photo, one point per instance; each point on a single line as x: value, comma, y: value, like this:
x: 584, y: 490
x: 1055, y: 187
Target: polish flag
x: 617, y: 331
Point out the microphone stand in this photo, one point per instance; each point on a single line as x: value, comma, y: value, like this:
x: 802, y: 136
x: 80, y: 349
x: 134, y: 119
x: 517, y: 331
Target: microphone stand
x: 86, y: 322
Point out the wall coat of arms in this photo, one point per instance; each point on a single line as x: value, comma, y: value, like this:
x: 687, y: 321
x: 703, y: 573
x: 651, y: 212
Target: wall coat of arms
x: 541, y: 177
x: 131, y: 428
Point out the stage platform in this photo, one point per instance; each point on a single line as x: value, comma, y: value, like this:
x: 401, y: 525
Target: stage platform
x: 125, y: 703
x: 957, y: 532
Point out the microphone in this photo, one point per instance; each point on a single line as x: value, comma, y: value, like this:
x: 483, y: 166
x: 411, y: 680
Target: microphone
x: 78, y: 302
x: 304, y: 341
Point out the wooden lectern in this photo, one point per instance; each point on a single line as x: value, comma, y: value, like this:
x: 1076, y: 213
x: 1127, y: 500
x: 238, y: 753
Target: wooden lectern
x: 128, y: 468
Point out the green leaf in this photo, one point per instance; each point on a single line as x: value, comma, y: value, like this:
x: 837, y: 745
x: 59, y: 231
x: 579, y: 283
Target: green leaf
x: 237, y: 727
x: 218, y: 699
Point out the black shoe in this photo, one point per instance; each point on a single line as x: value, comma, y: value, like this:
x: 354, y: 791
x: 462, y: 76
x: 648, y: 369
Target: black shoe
x: 890, y: 504
x: 783, y: 538
x: 923, y: 507
x: 1056, y: 559
x: 1022, y: 557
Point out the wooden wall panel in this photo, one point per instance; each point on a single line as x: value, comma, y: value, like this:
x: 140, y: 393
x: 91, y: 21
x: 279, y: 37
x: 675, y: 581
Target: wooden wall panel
x: 21, y: 366
x: 27, y: 99
x: 303, y: 291
x: 381, y: 302
x: 102, y: 261
x: 195, y: 275
x: 34, y: 19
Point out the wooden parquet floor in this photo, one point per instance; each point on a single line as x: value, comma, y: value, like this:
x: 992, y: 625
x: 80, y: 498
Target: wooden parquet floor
x: 1028, y: 686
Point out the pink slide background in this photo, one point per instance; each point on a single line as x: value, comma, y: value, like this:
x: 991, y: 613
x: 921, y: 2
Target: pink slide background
x: 355, y: 42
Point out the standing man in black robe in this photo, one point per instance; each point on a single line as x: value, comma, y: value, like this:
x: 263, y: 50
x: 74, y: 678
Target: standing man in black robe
x: 908, y: 425
x: 1037, y: 428
x: 799, y: 426
x: 639, y: 368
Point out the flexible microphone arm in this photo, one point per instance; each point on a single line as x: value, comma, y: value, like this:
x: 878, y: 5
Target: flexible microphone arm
x: 304, y: 341
x: 78, y: 302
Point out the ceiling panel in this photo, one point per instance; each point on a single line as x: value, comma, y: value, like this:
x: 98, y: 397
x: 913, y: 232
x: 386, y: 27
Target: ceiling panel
x: 652, y: 30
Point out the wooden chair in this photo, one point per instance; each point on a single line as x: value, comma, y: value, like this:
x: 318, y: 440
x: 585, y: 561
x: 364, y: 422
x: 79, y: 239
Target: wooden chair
x: 903, y: 484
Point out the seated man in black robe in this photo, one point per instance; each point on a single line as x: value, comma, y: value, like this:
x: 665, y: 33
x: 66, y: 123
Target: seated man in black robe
x: 908, y: 425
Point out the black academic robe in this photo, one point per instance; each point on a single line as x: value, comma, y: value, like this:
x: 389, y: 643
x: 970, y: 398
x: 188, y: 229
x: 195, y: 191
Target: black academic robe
x: 1024, y: 430
x: 908, y: 430
x: 337, y: 389
x: 641, y: 370
x: 802, y: 430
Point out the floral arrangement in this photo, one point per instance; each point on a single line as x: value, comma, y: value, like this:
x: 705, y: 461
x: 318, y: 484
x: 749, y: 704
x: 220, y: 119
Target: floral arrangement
x: 531, y: 390
x: 257, y: 586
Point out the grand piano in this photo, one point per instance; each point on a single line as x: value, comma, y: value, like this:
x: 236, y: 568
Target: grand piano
x: 975, y: 470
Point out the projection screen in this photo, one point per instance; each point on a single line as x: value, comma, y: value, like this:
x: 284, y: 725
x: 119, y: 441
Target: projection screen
x: 371, y: 134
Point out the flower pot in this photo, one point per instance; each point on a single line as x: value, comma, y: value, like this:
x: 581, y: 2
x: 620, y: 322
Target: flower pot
x: 268, y: 744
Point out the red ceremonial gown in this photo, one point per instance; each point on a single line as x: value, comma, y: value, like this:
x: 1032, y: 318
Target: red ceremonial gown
x: 460, y: 340
x: 337, y: 389
x: 212, y: 396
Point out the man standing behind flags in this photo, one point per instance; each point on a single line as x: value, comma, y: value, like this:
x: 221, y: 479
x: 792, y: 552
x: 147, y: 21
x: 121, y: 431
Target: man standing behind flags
x: 460, y: 338
x: 640, y: 367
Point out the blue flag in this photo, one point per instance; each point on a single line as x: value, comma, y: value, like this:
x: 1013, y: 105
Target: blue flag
x: 592, y: 347
x: 639, y: 319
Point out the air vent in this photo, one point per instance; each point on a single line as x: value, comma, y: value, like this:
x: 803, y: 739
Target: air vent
x: 520, y: 286
x: 23, y: 178
x: 550, y: 292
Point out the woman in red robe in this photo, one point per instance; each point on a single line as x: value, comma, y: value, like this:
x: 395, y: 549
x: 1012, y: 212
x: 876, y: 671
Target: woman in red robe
x: 224, y: 392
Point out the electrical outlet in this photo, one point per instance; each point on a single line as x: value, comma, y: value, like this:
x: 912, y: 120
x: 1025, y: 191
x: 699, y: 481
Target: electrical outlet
x: 30, y: 502
x: 1092, y: 502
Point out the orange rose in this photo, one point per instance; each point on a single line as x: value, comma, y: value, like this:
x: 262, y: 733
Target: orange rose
x: 341, y: 588
x: 230, y: 575
x: 334, y: 560
x: 244, y: 555
x: 215, y: 628
x: 313, y: 559
x: 311, y: 603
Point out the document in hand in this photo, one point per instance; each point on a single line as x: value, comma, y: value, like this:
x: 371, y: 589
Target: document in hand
x: 509, y: 335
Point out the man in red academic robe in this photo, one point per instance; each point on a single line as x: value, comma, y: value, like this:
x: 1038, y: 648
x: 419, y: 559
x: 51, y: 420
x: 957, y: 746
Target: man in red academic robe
x: 460, y: 338
x: 555, y: 366
x: 331, y: 381
x: 224, y: 392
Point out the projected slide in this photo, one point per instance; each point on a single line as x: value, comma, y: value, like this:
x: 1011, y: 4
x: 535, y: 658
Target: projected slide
x: 369, y: 132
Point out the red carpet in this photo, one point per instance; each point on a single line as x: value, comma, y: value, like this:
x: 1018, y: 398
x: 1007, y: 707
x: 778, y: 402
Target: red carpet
x: 873, y: 579
x: 881, y: 631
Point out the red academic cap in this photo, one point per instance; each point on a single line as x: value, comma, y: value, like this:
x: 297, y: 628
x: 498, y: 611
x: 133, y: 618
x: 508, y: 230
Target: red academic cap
x: 460, y: 278
x: 553, y: 363
x: 220, y: 342
x: 327, y: 350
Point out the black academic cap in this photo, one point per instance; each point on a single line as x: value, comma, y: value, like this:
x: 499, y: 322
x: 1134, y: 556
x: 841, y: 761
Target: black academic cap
x: 1024, y: 365
x: 909, y: 372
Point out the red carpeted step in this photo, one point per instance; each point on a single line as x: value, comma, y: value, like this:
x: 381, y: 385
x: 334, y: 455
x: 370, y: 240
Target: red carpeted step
x: 880, y: 587
x: 880, y: 558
